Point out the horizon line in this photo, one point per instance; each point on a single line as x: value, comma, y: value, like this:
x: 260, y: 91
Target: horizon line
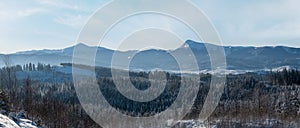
x: 52, y: 49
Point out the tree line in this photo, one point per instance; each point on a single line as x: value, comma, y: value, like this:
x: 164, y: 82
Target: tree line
x: 247, y: 97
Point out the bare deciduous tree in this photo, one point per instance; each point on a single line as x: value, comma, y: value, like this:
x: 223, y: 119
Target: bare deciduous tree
x: 7, y: 61
x: 11, y: 77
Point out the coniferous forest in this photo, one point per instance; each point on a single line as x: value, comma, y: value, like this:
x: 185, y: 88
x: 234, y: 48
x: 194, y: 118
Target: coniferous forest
x: 261, y: 99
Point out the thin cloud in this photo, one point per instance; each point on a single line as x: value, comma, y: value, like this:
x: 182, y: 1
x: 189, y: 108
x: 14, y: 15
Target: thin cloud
x: 74, y: 21
x: 255, y: 23
x: 58, y: 4
x: 31, y: 11
x: 9, y: 14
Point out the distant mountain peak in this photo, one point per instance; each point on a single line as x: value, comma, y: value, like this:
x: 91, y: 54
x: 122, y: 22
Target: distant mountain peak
x: 81, y: 45
x: 191, y: 42
x: 76, y: 45
x: 238, y: 57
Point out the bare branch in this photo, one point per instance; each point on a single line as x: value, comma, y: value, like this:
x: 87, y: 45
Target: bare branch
x: 7, y: 61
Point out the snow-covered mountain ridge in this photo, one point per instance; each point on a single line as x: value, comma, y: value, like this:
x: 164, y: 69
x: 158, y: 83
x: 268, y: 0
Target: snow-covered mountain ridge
x: 238, y: 58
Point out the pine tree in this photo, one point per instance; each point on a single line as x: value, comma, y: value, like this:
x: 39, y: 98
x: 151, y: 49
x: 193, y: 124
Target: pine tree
x: 40, y: 67
x: 48, y: 67
x: 27, y: 67
x: 33, y: 67
x: 28, y: 95
x: 30, y: 67
x: 4, y: 105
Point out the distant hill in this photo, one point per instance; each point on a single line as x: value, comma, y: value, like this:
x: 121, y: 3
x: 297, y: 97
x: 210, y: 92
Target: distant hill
x: 238, y: 58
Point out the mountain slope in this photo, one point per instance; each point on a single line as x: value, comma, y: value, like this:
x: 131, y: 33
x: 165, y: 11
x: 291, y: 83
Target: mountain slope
x: 238, y: 58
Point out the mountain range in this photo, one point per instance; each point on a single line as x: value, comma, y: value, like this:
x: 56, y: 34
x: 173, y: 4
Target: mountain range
x: 237, y: 57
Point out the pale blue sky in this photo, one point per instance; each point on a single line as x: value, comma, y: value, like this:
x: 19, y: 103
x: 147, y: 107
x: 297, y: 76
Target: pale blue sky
x: 52, y: 24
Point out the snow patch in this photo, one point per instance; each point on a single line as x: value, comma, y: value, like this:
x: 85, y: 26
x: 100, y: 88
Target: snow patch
x: 5, y: 122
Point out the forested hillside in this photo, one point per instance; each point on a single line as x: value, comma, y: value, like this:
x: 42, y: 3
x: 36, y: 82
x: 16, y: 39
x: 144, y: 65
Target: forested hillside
x: 47, y: 94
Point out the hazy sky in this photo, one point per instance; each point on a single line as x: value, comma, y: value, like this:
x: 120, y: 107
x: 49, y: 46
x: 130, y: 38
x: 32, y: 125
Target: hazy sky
x: 51, y: 24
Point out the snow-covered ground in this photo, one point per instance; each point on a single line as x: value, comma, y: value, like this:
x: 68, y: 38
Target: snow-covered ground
x: 6, y: 122
x: 190, y: 124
